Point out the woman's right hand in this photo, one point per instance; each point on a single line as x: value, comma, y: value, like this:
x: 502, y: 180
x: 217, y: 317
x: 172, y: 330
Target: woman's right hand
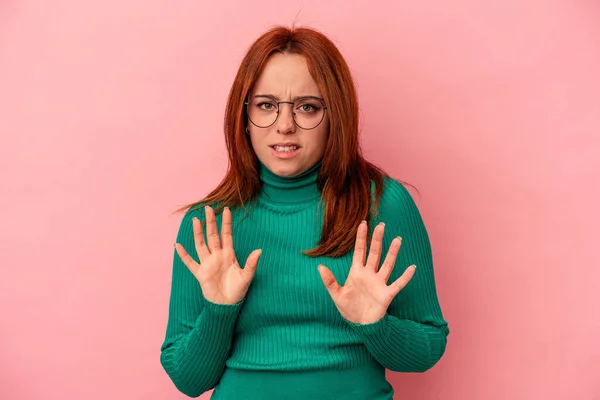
x: 221, y: 279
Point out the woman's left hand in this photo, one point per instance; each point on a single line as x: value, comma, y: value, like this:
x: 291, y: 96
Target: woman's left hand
x: 365, y: 296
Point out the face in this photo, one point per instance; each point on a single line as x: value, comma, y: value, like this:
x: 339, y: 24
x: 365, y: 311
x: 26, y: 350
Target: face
x: 285, y: 77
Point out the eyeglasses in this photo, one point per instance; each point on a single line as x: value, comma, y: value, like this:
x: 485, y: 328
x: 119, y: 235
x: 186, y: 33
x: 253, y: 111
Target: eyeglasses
x: 307, y: 112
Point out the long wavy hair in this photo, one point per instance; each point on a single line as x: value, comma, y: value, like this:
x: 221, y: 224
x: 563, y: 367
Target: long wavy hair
x: 345, y: 177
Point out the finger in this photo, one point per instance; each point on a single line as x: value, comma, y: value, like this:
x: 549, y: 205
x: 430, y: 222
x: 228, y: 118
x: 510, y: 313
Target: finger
x: 376, y: 245
x: 189, y: 262
x: 390, y: 259
x: 401, y: 282
x: 226, y: 228
x: 212, y: 234
x: 252, y: 264
x: 329, y: 280
x: 360, y: 246
x: 199, y: 240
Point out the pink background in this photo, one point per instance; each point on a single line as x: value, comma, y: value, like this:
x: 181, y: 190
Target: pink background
x: 111, y: 115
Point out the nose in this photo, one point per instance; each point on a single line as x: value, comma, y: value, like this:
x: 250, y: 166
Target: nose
x: 285, y: 121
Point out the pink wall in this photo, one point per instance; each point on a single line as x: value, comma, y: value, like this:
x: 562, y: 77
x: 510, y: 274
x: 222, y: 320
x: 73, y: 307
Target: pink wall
x: 110, y: 118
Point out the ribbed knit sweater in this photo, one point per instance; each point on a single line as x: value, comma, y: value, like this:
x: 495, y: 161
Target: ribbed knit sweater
x: 286, y: 339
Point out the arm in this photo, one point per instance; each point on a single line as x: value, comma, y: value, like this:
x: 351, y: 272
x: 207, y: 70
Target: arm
x: 199, y: 333
x: 411, y: 337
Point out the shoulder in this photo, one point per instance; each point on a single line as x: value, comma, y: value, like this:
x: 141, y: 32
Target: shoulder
x: 395, y: 196
x: 397, y: 205
x: 186, y: 221
x: 197, y: 211
x: 185, y: 232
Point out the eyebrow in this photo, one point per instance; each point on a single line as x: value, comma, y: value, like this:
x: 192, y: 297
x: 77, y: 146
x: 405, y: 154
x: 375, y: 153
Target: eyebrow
x: 272, y: 96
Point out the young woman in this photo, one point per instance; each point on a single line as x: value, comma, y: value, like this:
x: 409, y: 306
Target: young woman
x: 310, y: 315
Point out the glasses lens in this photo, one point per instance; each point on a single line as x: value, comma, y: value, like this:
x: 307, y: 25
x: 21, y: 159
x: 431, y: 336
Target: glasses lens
x: 262, y: 111
x: 308, y: 113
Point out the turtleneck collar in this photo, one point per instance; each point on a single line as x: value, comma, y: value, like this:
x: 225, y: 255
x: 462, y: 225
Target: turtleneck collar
x: 289, y: 190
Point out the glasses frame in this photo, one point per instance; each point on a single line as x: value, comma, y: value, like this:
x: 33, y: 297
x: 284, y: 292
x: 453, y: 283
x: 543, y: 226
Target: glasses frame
x: 247, y: 103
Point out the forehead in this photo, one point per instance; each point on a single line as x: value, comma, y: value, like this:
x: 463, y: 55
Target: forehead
x: 286, y: 75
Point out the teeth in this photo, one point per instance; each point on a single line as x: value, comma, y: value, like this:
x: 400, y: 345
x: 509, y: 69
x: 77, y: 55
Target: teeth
x: 285, y: 148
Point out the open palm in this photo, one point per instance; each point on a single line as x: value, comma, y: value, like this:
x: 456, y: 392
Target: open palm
x: 365, y: 296
x: 221, y: 278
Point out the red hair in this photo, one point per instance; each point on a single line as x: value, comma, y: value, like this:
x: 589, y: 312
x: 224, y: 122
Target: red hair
x: 345, y: 177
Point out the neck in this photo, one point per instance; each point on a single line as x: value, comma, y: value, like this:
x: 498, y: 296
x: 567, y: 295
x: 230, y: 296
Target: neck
x: 297, y: 189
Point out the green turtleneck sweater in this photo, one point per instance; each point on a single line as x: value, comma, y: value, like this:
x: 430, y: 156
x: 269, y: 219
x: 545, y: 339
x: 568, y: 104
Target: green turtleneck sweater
x: 286, y: 339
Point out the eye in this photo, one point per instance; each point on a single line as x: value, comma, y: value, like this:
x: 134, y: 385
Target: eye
x: 267, y: 106
x: 307, y: 107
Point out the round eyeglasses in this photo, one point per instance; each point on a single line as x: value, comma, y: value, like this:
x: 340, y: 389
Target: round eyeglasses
x: 307, y: 112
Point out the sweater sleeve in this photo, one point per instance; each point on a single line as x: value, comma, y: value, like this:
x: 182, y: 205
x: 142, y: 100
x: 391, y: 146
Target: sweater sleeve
x: 411, y: 337
x: 199, y: 333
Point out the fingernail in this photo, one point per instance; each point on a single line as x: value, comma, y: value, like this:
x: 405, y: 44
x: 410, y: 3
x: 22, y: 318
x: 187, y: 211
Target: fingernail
x: 364, y: 222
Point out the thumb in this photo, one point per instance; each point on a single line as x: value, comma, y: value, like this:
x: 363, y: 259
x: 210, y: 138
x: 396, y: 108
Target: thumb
x: 252, y: 263
x: 329, y: 280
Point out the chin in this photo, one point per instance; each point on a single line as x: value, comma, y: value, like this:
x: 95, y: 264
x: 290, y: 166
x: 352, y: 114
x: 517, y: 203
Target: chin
x: 290, y: 170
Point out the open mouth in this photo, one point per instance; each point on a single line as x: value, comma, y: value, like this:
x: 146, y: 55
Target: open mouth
x: 285, y: 151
